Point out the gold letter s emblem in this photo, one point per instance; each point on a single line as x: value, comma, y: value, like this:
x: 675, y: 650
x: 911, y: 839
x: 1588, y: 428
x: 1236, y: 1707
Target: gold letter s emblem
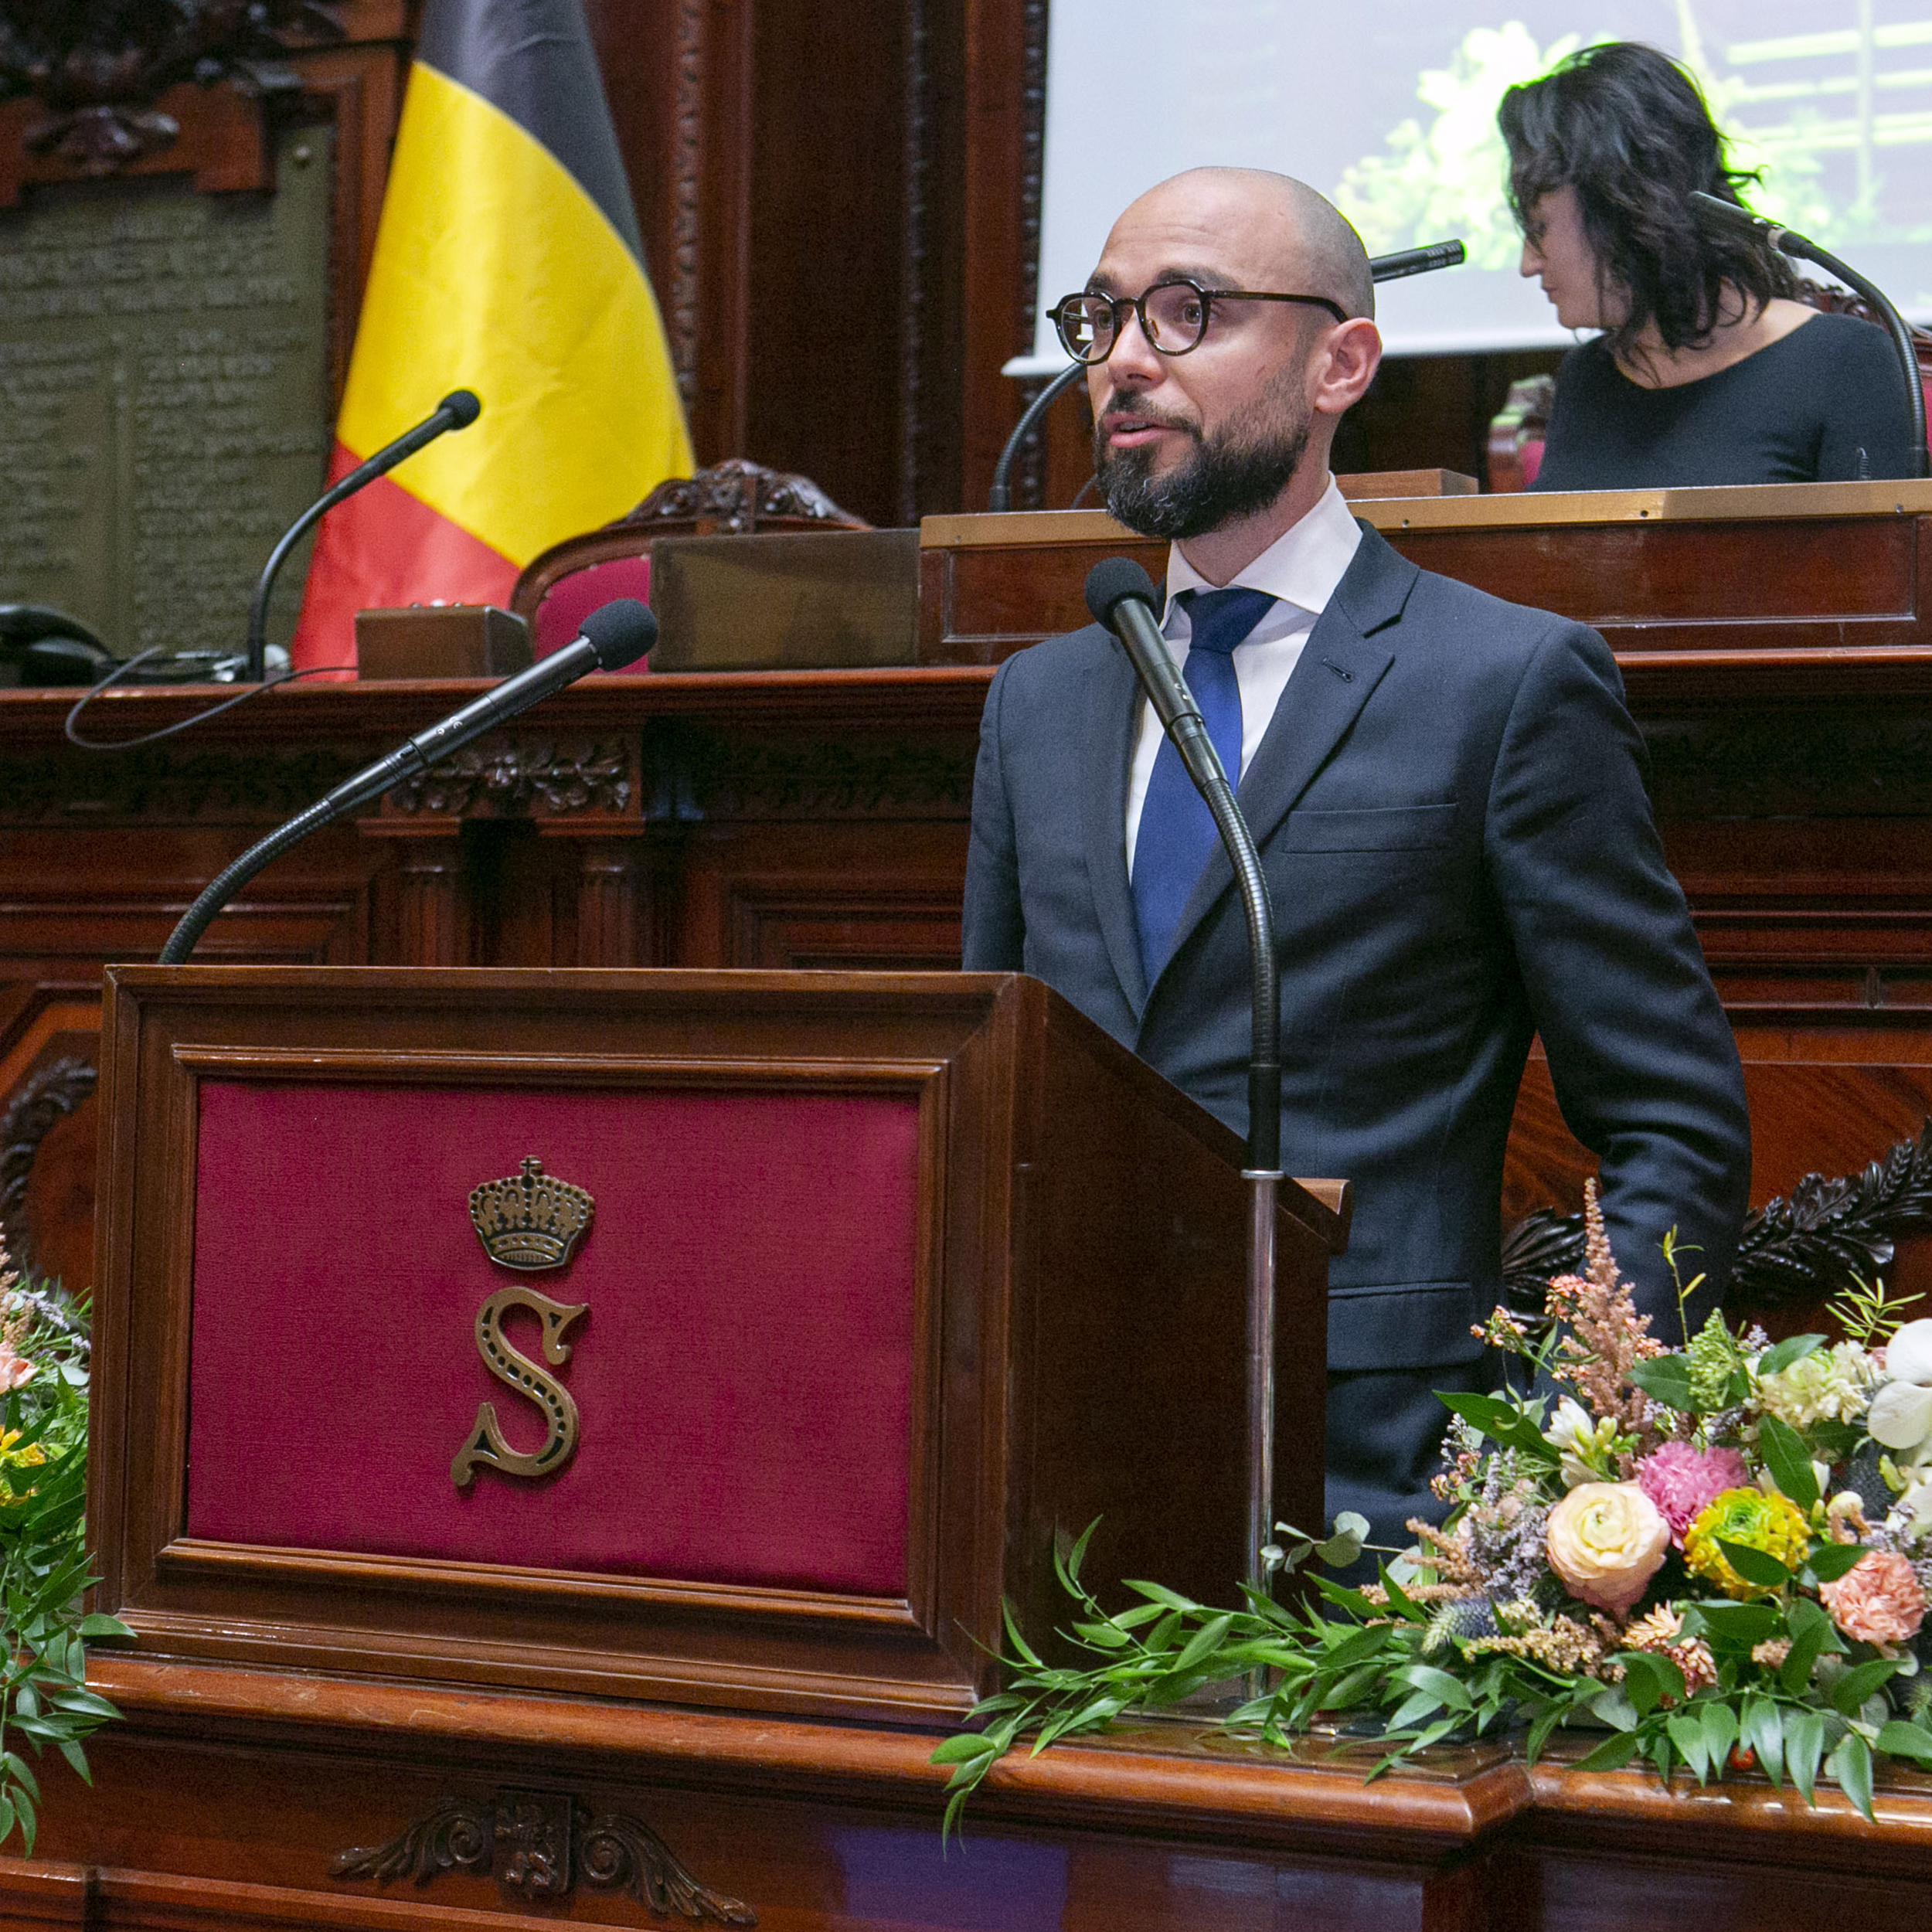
x: 486, y: 1444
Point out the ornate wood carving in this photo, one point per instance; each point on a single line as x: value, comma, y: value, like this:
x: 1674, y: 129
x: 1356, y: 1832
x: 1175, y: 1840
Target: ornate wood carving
x: 687, y: 178
x: 1798, y: 1248
x: 160, y: 784
x: 1819, y: 761
x: 539, y: 1845
x: 912, y: 341
x: 694, y: 774
x: 735, y: 496
x: 1029, y: 462
x: 513, y: 777
x: 38, y: 1105
x: 98, y: 71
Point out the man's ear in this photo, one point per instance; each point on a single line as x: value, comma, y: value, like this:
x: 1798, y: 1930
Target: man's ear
x: 1345, y: 366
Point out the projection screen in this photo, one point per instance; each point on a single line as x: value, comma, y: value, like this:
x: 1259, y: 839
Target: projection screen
x: 1389, y: 107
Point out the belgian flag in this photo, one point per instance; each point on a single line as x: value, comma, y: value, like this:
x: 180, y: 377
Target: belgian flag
x: 508, y: 261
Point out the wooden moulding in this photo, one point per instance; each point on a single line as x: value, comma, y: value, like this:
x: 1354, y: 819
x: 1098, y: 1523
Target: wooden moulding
x: 1077, y: 1327
x: 1786, y: 588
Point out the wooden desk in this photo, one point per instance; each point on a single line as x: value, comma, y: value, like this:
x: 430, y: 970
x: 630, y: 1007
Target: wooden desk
x: 224, y: 1801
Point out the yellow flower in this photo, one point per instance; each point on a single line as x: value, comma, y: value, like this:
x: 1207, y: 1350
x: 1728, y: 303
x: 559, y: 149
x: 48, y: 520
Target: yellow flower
x: 1771, y: 1523
x: 30, y: 1458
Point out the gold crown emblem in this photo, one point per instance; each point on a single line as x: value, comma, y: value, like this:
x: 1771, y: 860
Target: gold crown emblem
x: 530, y: 1219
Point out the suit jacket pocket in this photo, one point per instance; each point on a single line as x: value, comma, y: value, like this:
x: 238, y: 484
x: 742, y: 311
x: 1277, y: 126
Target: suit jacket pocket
x: 1387, y: 828
x: 1405, y: 1324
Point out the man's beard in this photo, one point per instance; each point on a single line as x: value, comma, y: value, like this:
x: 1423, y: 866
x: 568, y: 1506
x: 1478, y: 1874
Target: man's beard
x: 1221, y: 480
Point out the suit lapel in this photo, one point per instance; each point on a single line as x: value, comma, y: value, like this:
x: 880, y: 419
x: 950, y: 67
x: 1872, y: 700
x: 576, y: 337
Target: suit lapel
x: 1339, y: 666
x: 1106, y: 752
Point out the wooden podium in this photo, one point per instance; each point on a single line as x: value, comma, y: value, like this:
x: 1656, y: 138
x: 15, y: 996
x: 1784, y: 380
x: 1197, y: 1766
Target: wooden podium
x: 871, y: 1288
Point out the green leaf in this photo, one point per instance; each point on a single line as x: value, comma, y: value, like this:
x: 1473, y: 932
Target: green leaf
x: 1613, y: 1707
x: 1686, y: 1732
x: 1804, y: 1746
x: 1738, y: 1626
x: 1438, y: 1683
x: 1618, y: 1749
x: 1649, y: 1679
x: 1827, y: 1562
x: 1022, y: 1648
x: 1789, y: 1462
x: 1418, y: 1705
x: 6, y: 1817
x: 90, y: 1704
x: 965, y: 1748
x: 1666, y: 1378
x: 77, y: 1758
x: 1765, y: 1732
x: 1344, y: 1598
x: 1901, y: 1738
x: 1849, y: 1694
x: 1781, y: 1355
x: 1160, y: 1593
x: 1501, y: 1422
x: 1850, y: 1767
x: 1103, y: 1636
x: 1720, y: 1731
x: 1811, y: 1631
x: 1204, y: 1642
x: 1753, y: 1565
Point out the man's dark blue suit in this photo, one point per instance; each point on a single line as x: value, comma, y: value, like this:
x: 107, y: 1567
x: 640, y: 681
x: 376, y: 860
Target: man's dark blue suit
x: 1449, y: 806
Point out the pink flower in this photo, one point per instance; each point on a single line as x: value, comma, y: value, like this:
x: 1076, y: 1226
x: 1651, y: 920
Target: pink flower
x: 1879, y: 1601
x: 15, y: 1369
x: 1606, y: 1540
x: 1681, y: 1480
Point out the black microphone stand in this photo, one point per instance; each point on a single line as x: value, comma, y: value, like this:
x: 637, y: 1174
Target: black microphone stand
x: 457, y: 410
x: 613, y: 635
x: 1120, y: 594
x: 1787, y: 242
x: 1382, y: 268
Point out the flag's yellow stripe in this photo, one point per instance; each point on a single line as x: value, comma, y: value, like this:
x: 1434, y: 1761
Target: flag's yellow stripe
x: 494, y: 271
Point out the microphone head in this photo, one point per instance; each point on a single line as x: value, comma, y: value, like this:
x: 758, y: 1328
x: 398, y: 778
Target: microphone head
x: 1111, y: 581
x: 461, y: 407
x: 620, y: 632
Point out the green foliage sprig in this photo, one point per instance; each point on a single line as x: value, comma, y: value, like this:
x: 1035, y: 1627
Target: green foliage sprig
x: 44, y: 1567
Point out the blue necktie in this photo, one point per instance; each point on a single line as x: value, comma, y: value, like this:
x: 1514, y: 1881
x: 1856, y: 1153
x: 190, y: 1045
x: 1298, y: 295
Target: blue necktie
x: 1177, y: 833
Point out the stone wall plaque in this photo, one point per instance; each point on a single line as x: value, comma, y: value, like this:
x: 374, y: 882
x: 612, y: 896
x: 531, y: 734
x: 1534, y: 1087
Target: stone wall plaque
x: 164, y: 404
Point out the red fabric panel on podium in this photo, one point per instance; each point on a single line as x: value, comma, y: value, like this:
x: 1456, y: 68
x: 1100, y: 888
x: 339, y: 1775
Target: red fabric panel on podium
x: 743, y: 1376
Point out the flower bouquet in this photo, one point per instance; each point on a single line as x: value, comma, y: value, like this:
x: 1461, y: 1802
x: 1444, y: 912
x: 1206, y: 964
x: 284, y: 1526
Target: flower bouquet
x: 1713, y: 1556
x: 44, y: 1569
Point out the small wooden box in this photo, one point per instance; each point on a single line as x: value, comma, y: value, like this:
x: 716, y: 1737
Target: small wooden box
x: 440, y: 640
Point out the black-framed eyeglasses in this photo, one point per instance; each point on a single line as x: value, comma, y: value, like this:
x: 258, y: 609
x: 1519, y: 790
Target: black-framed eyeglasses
x: 1173, y: 316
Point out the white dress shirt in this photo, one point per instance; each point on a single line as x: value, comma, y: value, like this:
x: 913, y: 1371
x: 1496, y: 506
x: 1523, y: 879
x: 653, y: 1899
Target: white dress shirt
x: 1299, y: 569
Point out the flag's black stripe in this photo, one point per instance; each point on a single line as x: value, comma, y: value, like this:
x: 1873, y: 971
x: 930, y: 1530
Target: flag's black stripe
x: 532, y: 60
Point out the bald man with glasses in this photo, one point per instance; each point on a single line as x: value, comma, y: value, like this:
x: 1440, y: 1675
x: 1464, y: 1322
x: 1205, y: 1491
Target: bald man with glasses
x: 1446, y: 791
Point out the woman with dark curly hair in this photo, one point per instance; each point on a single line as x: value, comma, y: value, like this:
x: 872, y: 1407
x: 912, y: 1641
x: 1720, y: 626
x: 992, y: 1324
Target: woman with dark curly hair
x: 1707, y: 370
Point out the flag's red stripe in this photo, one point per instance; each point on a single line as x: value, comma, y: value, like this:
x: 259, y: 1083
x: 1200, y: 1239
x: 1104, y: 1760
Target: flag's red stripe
x: 382, y: 548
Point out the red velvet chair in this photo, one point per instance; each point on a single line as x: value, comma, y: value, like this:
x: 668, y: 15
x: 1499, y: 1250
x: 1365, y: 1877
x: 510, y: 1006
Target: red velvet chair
x: 558, y: 589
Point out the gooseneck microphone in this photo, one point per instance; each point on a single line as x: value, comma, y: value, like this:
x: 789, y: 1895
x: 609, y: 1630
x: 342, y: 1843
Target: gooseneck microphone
x: 614, y: 636
x: 1120, y: 596
x: 1382, y: 268
x: 457, y: 410
x: 1786, y: 242
x: 1416, y: 261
